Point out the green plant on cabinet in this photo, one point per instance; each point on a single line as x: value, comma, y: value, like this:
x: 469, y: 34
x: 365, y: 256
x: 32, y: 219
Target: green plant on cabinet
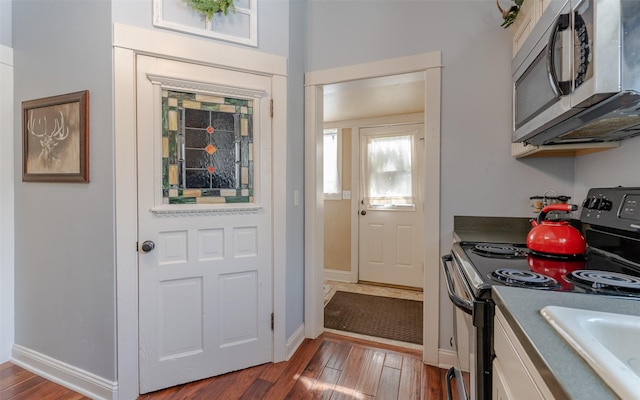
x: 509, y: 15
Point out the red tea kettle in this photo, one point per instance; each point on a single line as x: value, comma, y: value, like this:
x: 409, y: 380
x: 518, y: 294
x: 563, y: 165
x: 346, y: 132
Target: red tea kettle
x: 555, y: 237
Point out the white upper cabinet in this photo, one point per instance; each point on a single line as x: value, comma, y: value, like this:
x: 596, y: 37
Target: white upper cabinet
x: 529, y: 14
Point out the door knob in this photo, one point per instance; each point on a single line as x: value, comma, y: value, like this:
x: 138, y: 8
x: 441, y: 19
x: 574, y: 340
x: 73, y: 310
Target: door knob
x: 363, y: 212
x: 148, y: 245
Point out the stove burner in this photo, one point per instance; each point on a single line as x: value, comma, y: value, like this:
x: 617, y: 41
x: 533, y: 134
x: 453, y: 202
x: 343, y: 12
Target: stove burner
x: 604, y: 280
x: 522, y: 278
x: 499, y: 250
x: 559, y: 257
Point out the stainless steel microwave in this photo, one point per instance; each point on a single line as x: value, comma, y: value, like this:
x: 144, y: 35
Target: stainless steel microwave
x: 577, y: 76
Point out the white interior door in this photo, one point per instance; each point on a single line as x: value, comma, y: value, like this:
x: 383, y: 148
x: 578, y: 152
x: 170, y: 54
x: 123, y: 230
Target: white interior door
x: 391, y: 216
x: 204, y: 209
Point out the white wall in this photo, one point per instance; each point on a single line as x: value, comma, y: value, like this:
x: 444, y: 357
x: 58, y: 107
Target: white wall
x: 6, y: 203
x: 295, y: 173
x: 479, y: 176
x: 64, y: 232
x: 5, y: 23
x: 617, y: 167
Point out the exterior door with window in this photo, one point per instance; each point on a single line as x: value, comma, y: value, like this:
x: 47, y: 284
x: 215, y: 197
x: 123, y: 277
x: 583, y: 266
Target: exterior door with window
x: 391, y: 233
x: 204, y: 228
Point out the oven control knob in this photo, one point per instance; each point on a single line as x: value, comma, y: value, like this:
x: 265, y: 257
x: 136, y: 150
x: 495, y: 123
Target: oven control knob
x: 586, y: 203
x: 595, y: 204
x: 605, y: 205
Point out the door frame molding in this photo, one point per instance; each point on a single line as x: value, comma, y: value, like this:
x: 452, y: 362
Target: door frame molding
x: 128, y: 42
x: 431, y: 65
x: 7, y: 209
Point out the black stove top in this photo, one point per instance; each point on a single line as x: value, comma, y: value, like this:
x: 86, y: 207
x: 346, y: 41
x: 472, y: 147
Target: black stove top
x: 610, y: 219
x: 488, y: 264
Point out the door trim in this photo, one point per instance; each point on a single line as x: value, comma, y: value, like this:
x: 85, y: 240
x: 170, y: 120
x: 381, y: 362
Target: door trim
x: 7, y: 209
x: 128, y: 42
x: 431, y: 65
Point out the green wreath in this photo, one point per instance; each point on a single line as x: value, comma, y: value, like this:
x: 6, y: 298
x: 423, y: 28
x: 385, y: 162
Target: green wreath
x: 210, y: 7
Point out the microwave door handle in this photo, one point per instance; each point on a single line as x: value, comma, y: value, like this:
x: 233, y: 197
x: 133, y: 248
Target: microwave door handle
x: 559, y: 88
x: 464, y: 305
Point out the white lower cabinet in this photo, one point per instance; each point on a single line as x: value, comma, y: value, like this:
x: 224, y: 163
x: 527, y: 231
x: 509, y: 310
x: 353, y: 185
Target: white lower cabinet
x: 514, y: 375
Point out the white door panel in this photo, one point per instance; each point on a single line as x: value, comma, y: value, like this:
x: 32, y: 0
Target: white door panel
x: 205, y: 290
x: 391, y: 214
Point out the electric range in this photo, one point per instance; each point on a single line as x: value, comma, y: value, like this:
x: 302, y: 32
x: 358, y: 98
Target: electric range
x: 610, y: 222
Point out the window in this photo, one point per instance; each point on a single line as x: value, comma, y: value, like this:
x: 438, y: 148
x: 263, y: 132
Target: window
x: 207, y: 149
x: 332, y: 150
x: 389, y: 171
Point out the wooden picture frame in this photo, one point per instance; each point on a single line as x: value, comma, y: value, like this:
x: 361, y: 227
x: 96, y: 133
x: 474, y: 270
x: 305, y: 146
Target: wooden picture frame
x: 55, y: 138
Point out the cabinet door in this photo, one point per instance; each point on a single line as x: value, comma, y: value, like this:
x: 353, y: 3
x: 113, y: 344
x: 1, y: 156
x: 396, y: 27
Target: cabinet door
x: 500, y: 387
x: 529, y: 14
x: 518, y: 379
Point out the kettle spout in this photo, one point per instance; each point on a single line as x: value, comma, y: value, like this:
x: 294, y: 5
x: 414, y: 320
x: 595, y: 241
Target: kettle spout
x: 533, y: 222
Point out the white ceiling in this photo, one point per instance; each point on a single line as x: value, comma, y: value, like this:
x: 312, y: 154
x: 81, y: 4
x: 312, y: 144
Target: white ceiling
x: 374, y: 97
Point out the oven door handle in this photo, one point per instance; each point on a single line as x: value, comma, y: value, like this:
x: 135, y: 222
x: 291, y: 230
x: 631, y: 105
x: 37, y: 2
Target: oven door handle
x: 463, y: 304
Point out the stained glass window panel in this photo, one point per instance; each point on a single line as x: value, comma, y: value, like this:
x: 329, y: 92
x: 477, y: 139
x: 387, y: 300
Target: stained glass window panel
x: 207, y: 149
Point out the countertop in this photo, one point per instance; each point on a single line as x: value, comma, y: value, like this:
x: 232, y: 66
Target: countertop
x: 491, y: 229
x: 566, y: 374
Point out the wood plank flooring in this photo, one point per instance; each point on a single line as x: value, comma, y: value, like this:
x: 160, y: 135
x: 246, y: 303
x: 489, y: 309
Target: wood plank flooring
x: 331, y: 367
x: 19, y: 384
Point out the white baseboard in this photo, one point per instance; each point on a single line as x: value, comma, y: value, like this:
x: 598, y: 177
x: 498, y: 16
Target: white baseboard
x: 446, y: 358
x: 337, y: 275
x: 64, y: 374
x: 295, y: 341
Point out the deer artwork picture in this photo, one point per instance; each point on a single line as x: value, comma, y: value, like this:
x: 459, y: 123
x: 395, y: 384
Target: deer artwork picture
x: 55, y: 138
x: 56, y: 148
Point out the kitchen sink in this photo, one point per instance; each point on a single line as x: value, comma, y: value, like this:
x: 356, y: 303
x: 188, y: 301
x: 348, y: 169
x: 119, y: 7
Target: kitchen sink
x: 608, y: 342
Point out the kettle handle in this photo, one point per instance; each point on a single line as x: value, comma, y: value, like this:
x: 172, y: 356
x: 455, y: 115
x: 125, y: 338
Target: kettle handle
x: 555, y: 207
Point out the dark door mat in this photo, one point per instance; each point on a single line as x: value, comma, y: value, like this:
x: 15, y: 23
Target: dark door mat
x: 385, y: 317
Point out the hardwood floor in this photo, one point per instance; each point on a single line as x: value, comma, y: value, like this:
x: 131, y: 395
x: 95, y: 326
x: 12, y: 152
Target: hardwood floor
x: 331, y: 367
x: 19, y: 384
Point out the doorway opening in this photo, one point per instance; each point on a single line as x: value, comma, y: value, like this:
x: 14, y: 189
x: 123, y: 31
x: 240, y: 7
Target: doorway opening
x: 428, y: 67
x: 382, y: 314
x: 378, y: 291
x: 373, y: 203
